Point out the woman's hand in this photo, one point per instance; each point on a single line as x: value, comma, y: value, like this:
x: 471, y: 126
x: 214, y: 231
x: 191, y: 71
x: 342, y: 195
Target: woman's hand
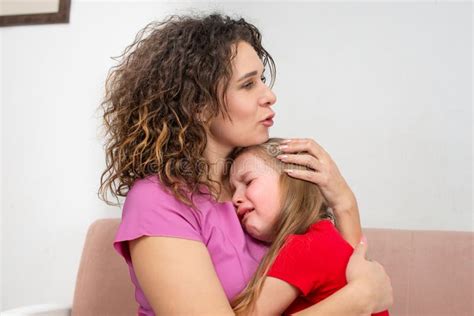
x: 370, y: 278
x: 323, y: 171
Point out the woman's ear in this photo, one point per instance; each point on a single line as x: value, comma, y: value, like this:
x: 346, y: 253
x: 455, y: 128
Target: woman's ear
x: 202, y: 114
x: 202, y: 118
x: 205, y: 118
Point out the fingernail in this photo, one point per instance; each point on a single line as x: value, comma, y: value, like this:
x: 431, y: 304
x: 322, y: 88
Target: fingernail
x: 282, y: 157
x: 288, y: 170
x: 285, y: 141
x: 283, y: 147
x: 363, y: 240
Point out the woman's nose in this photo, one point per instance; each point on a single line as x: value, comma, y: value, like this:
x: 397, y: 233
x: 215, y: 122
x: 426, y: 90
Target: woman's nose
x: 268, y: 98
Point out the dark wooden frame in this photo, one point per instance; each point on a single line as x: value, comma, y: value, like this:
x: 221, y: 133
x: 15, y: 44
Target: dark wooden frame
x: 62, y: 16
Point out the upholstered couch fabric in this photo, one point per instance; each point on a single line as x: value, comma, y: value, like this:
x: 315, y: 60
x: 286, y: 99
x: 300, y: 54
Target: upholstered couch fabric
x: 431, y: 271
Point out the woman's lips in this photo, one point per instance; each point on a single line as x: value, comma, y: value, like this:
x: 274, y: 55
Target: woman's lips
x: 267, y: 122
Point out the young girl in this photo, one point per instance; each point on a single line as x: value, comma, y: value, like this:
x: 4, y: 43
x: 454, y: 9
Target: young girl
x: 307, y: 259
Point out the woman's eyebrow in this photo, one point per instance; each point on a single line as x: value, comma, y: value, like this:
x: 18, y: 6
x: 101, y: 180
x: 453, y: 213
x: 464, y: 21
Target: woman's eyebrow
x: 247, y: 75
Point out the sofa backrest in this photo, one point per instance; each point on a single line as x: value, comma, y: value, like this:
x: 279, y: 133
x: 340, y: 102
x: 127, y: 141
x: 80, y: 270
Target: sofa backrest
x: 103, y: 285
x: 431, y: 272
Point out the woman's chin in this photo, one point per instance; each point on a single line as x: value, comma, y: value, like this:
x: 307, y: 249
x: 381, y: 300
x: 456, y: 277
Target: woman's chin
x: 260, y: 139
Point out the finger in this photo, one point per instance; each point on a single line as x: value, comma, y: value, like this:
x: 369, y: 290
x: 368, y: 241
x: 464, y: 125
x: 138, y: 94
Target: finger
x: 307, y: 175
x: 303, y: 160
x: 308, y: 145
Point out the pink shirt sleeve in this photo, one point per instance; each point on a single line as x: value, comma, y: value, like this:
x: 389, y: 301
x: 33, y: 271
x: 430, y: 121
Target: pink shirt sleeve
x: 150, y: 210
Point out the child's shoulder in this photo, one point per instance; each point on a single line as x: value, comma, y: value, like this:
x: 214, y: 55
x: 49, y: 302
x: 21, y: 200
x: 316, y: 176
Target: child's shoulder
x: 321, y: 237
x: 322, y: 229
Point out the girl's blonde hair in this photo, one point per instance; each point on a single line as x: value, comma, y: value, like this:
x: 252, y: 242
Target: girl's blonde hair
x: 302, y: 205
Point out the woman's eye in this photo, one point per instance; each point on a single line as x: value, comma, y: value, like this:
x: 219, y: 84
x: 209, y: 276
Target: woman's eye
x: 248, y: 182
x: 248, y: 85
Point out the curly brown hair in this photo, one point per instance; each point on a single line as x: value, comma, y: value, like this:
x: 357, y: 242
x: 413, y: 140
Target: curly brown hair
x: 170, y: 81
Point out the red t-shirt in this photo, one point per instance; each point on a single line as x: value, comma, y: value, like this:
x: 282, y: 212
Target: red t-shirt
x: 315, y: 263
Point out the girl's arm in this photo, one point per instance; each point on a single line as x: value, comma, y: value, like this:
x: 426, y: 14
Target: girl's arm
x: 178, y: 277
x: 324, y: 172
x: 275, y: 297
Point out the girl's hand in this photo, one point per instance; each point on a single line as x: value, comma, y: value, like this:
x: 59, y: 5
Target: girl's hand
x: 323, y: 171
x: 370, y: 278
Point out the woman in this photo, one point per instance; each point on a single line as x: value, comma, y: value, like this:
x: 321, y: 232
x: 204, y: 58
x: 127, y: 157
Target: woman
x: 187, y: 93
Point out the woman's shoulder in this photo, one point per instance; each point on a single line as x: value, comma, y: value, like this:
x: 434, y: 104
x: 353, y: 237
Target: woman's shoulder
x: 151, y: 195
x: 152, y: 188
x: 150, y: 209
x: 146, y: 186
x: 149, y: 199
x: 150, y: 191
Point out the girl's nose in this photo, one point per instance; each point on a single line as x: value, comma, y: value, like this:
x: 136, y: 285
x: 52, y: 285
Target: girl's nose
x: 236, y: 201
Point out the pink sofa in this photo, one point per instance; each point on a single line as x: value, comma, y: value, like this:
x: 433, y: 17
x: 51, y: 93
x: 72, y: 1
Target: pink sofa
x: 431, y: 272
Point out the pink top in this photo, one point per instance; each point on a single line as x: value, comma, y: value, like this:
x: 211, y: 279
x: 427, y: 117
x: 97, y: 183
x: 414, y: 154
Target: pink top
x: 149, y: 210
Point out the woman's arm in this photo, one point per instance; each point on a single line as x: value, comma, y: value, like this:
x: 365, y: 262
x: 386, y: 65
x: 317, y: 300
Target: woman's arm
x: 346, y: 301
x: 324, y: 172
x: 178, y: 277
x: 348, y: 221
x: 277, y: 296
x: 368, y: 290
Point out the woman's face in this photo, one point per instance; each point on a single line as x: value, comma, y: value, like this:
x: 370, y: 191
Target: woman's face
x: 249, y: 102
x: 256, y: 195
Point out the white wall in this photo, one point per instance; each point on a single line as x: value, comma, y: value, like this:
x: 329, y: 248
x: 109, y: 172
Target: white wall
x: 385, y: 88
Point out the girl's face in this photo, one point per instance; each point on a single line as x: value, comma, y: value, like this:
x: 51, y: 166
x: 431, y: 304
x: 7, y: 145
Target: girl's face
x: 249, y: 102
x: 256, y: 196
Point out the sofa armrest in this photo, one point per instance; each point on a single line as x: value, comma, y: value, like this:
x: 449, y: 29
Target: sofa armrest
x: 39, y: 310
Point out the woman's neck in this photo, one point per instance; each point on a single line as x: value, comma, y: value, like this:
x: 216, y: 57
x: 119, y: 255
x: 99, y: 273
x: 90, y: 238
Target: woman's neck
x: 219, y: 165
